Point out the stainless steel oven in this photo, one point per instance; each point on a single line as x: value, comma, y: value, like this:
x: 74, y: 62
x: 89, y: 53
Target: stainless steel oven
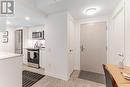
x: 33, y: 57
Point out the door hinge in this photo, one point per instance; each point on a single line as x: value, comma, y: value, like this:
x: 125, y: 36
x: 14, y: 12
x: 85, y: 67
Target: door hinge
x: 106, y: 48
x: 106, y: 27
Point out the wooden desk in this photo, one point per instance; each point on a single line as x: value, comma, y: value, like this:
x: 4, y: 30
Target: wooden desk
x: 116, y: 73
x: 124, y: 85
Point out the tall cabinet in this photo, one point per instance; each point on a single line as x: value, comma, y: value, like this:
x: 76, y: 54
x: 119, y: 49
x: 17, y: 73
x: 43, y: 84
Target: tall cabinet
x: 127, y: 31
x: 116, y: 41
x: 119, y: 34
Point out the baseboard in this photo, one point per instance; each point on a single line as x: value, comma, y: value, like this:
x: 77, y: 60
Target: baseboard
x: 62, y: 77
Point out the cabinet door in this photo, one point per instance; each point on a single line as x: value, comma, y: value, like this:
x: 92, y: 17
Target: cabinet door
x: 127, y: 31
x: 117, y: 38
x: 42, y: 58
x: 25, y: 56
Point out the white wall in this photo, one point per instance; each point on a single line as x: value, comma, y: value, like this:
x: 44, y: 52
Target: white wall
x: 10, y: 46
x: 56, y: 46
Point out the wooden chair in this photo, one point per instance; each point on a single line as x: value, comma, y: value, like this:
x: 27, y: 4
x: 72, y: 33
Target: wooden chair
x: 110, y: 82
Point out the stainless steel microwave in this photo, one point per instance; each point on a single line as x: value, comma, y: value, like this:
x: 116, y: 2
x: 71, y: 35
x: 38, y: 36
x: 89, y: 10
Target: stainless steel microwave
x: 38, y: 35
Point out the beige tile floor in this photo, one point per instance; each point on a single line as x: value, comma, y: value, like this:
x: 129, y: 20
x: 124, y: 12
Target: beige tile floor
x: 74, y: 81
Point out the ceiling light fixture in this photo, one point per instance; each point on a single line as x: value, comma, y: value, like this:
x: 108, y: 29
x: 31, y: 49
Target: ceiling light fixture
x: 27, y: 18
x: 90, y: 11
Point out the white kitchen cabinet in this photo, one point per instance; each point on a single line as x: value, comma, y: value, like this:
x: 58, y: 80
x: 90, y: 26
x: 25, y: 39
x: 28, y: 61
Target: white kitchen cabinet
x: 42, y: 57
x: 25, y: 56
x: 127, y: 31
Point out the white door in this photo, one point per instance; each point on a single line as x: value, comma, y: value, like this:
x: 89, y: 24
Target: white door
x: 93, y: 47
x: 117, y: 39
x: 71, y: 34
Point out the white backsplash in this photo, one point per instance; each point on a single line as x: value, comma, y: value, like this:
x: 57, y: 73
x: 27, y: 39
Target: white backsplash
x: 31, y: 43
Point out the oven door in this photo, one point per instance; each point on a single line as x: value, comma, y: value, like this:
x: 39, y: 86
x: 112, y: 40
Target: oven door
x: 33, y: 58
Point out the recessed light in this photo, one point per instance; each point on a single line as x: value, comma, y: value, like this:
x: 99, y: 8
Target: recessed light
x: 27, y: 18
x: 8, y: 22
x: 90, y: 11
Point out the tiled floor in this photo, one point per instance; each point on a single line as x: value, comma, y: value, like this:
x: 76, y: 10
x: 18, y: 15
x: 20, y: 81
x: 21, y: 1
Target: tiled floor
x: 91, y: 76
x: 54, y: 82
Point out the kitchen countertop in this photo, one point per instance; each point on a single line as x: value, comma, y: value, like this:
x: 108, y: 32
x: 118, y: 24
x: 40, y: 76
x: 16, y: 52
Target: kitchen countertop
x: 7, y: 55
x: 36, y: 48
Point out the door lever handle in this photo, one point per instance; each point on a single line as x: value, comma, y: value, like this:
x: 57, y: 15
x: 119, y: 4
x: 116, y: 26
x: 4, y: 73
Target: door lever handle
x: 121, y: 55
x: 82, y: 48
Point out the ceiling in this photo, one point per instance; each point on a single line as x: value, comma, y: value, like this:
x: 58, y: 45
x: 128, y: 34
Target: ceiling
x: 24, y: 9
x: 75, y: 7
x: 37, y: 10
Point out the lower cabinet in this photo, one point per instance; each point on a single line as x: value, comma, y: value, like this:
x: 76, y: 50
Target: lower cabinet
x: 42, y: 58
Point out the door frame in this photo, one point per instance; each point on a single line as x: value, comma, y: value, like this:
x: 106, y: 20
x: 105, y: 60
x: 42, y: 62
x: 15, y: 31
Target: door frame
x: 21, y: 40
x: 95, y: 21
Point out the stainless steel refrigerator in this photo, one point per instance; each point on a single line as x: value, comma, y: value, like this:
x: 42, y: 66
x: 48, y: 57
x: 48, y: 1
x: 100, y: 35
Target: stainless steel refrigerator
x: 19, y: 41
